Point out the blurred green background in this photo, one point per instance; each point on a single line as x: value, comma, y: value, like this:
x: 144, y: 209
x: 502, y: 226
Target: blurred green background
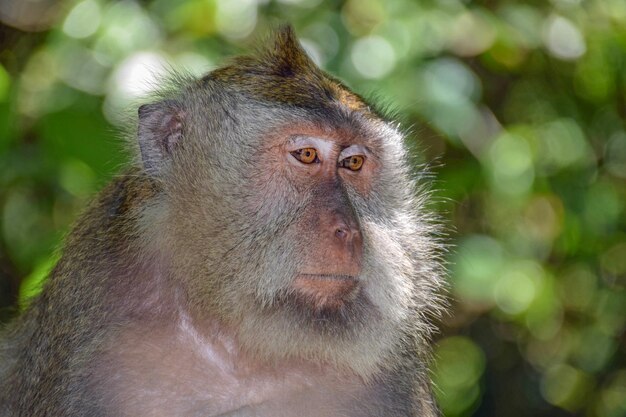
x: 517, y: 105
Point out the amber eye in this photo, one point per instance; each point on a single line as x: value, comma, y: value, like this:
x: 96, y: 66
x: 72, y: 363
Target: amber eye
x: 353, y: 163
x: 306, y: 155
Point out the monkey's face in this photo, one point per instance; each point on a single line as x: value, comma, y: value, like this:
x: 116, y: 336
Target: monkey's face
x: 316, y: 171
x: 299, y: 232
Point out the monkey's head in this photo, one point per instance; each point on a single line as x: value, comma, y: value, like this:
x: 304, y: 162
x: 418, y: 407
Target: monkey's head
x: 288, y: 211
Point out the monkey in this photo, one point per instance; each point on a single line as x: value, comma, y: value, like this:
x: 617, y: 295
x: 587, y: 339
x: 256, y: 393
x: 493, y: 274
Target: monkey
x: 269, y: 252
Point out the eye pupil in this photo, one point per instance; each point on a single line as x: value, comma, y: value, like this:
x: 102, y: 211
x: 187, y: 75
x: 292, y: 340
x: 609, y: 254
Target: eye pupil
x: 305, y: 155
x: 354, y: 163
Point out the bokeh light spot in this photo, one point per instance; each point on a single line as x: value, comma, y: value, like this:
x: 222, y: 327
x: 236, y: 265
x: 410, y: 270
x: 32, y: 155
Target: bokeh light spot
x: 83, y: 20
x: 565, y: 386
x: 612, y: 402
x: 615, y: 154
x: 471, y: 34
x: 561, y: 144
x: 563, y: 39
x: 134, y: 78
x: 77, y: 178
x: 477, y: 267
x: 5, y: 84
x: 236, y: 19
x: 511, y: 165
x: 578, y: 287
x: 460, y: 364
x: 450, y: 80
x: 517, y: 287
x: 613, y: 261
x: 373, y: 57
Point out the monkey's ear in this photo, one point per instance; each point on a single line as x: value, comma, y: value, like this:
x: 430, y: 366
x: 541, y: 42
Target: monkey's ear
x: 159, y: 133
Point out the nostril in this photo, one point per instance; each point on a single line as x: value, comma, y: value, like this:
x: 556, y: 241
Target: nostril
x: 342, y: 232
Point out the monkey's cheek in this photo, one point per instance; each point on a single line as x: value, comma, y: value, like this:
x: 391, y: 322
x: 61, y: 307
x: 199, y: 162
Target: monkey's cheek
x: 322, y: 292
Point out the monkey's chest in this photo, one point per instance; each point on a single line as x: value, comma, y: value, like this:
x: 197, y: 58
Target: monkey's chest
x: 226, y: 397
x: 169, y: 378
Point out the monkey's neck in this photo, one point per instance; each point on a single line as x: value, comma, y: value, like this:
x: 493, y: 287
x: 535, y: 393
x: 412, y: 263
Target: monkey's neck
x: 108, y: 260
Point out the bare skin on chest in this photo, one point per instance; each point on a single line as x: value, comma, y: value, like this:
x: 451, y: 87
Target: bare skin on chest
x: 178, y: 370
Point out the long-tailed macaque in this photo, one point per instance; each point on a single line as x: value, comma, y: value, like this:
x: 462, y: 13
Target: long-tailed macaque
x: 268, y: 255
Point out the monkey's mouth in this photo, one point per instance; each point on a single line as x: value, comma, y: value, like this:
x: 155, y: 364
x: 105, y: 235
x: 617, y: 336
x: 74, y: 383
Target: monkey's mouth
x: 325, y: 291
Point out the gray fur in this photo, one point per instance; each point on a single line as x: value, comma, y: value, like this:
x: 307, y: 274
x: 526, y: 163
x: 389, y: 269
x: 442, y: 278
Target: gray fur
x: 186, y: 229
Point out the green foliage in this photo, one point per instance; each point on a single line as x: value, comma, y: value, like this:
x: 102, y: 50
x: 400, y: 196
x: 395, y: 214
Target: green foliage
x: 520, y: 105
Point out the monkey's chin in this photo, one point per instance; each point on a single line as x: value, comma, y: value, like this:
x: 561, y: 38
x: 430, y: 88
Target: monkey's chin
x: 325, y: 292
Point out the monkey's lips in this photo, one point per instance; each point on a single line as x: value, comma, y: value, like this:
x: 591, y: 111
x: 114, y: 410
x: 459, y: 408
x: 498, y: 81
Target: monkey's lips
x: 325, y: 291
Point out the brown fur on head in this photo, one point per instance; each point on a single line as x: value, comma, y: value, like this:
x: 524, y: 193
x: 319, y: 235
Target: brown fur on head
x: 251, y: 234
x: 283, y: 73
